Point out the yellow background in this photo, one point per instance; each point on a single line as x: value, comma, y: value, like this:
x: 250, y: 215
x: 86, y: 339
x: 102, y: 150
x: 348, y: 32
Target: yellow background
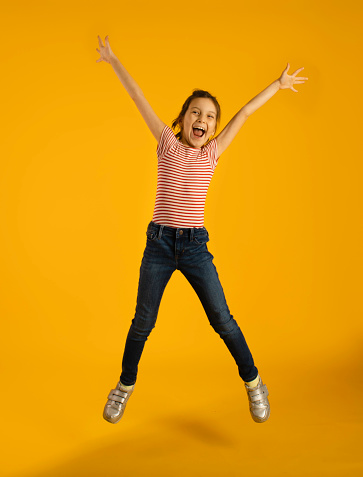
x: 284, y: 213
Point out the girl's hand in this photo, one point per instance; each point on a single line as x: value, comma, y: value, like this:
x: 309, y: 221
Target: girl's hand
x: 105, y: 52
x: 286, y: 81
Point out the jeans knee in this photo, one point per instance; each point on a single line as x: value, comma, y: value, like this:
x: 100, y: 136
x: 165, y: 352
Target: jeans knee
x: 225, y: 326
x: 141, y: 328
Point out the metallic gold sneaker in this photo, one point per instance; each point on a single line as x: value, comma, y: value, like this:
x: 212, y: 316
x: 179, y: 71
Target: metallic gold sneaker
x: 116, y: 403
x: 258, y: 401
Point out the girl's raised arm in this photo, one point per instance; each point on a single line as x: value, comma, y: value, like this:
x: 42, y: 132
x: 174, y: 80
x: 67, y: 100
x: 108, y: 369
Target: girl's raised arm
x: 155, y: 124
x: 285, y: 81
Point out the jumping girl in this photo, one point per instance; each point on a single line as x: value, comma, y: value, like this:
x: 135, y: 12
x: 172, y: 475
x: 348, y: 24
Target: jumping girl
x: 176, y: 236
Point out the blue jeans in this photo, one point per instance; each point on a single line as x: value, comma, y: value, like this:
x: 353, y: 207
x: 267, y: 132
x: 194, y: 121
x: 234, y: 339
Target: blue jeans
x: 185, y: 249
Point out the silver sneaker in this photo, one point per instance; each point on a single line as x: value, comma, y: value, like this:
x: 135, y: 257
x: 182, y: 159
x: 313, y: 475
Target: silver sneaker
x: 258, y: 402
x: 116, y: 403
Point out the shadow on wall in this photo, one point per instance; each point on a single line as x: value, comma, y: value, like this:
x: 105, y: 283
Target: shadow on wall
x: 166, y: 448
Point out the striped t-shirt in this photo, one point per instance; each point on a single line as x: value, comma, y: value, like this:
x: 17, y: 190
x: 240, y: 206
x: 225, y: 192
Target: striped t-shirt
x: 184, y: 175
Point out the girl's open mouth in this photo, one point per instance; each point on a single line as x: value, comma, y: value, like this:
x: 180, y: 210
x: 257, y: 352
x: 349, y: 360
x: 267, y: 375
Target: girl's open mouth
x: 198, y: 132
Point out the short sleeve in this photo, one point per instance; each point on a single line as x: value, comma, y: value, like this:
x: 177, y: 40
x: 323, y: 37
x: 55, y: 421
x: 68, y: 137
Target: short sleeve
x: 167, y: 140
x: 211, y: 149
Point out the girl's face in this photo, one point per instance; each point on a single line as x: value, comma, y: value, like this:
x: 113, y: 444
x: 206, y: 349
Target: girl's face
x: 201, y: 114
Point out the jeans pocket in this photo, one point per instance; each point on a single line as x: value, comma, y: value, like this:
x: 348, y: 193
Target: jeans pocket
x: 150, y: 235
x: 201, y: 238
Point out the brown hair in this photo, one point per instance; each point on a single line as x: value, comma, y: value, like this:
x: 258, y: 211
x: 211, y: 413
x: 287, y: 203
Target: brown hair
x: 197, y: 93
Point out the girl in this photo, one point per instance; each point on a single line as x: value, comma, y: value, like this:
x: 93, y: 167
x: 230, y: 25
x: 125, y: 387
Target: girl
x: 176, y: 236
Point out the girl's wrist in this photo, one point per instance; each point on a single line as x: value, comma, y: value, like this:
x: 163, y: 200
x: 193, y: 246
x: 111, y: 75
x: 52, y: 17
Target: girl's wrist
x: 113, y: 58
x: 278, y: 83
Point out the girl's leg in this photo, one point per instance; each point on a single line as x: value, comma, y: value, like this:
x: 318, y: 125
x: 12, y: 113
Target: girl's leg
x: 201, y: 273
x: 155, y: 272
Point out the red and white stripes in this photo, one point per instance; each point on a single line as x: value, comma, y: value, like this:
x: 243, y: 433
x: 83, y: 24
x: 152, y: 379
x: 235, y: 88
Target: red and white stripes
x: 184, y: 175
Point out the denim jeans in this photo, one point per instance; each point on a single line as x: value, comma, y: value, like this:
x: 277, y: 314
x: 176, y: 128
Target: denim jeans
x: 185, y: 249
